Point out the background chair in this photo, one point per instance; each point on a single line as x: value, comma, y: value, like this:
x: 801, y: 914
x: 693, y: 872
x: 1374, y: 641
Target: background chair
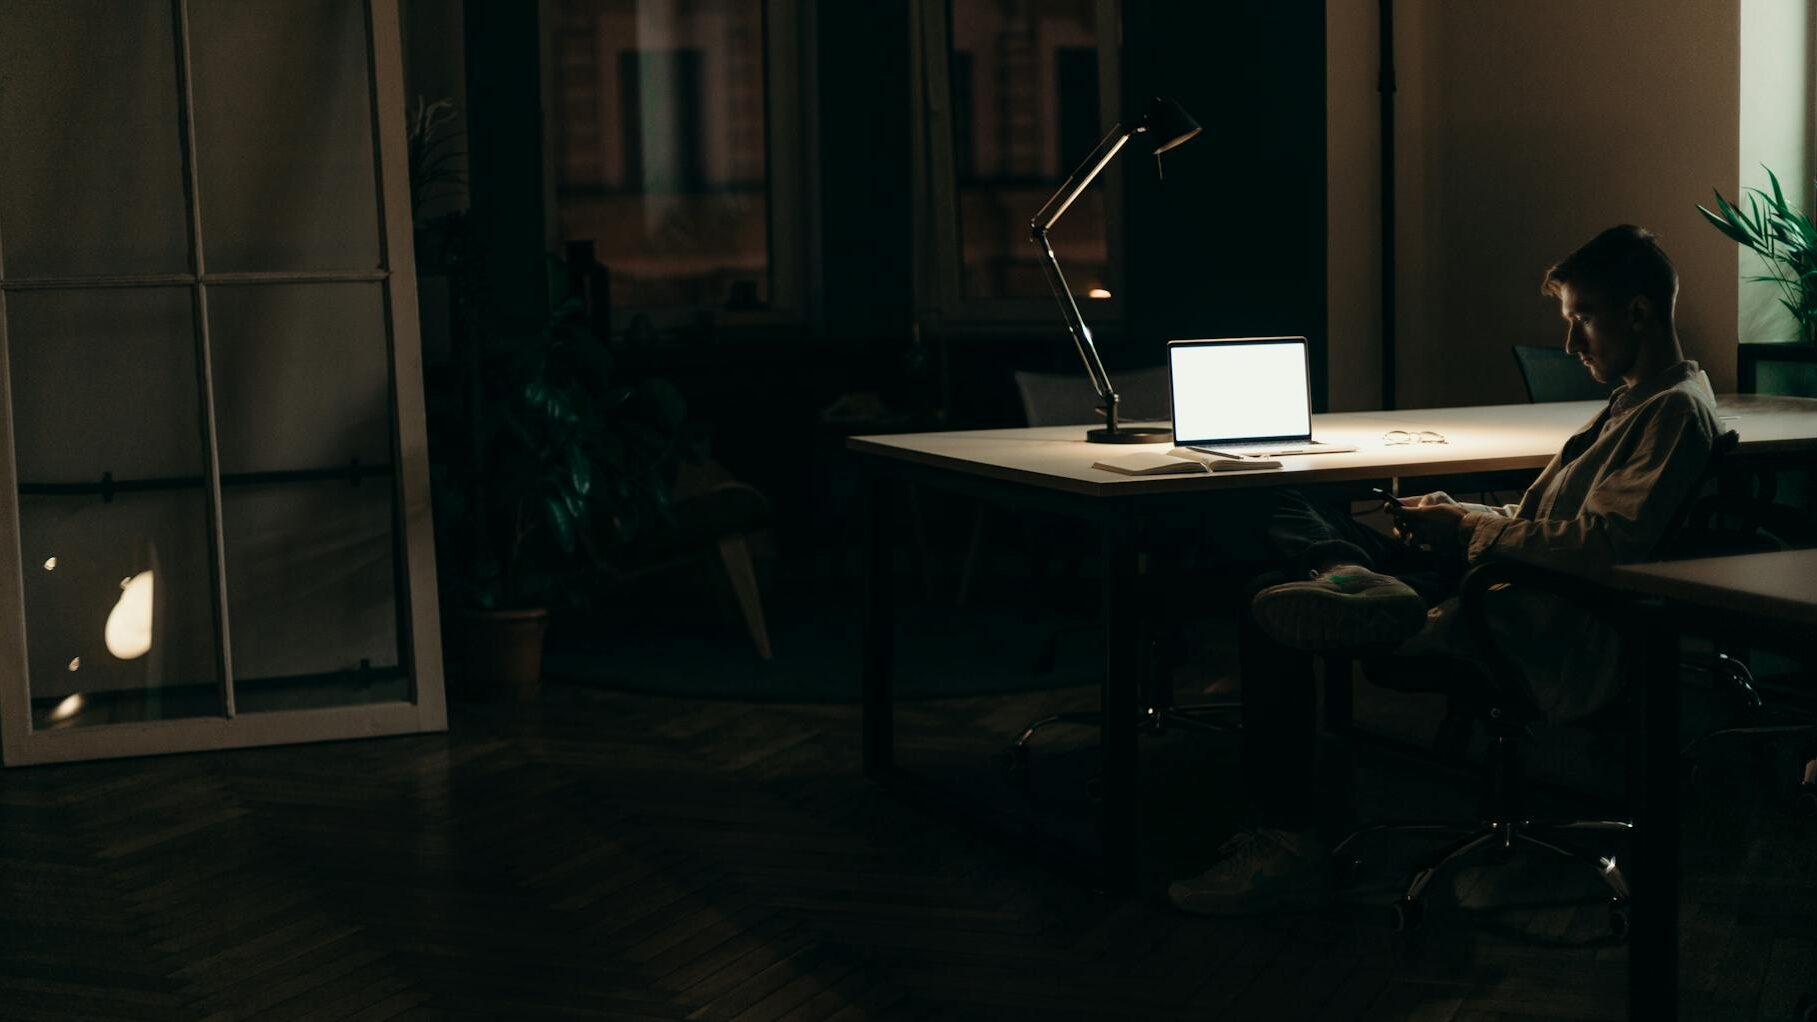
x: 1050, y: 399
x: 1063, y: 399
x: 715, y: 517
x: 1552, y: 374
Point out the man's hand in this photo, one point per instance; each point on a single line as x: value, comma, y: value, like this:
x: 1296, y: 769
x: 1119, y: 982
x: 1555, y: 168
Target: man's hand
x: 1434, y: 524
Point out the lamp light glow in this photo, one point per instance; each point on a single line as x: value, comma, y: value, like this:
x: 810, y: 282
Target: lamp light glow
x: 128, y: 631
x: 1097, y: 292
x: 69, y: 707
x: 50, y: 564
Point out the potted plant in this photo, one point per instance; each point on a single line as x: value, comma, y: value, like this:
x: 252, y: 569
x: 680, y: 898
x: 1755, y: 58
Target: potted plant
x: 1786, y: 242
x: 541, y: 456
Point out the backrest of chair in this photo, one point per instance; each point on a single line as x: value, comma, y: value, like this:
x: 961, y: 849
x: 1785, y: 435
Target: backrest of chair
x: 1552, y: 374
x: 1721, y: 519
x: 1067, y: 399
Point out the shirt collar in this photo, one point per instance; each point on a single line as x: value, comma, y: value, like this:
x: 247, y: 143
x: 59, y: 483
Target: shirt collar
x: 1625, y: 397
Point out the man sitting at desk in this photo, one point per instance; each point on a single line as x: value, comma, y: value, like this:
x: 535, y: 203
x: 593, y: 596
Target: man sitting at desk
x: 1607, y: 497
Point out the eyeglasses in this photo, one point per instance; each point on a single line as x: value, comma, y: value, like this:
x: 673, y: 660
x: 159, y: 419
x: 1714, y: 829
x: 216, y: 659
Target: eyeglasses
x: 1402, y: 436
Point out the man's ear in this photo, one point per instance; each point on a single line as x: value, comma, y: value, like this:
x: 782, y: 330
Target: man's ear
x: 1640, y: 310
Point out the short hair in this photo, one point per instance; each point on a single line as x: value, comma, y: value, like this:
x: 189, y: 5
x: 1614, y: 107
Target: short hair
x: 1618, y: 264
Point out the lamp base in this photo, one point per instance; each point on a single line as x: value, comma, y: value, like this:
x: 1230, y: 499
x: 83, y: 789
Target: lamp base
x: 1123, y: 435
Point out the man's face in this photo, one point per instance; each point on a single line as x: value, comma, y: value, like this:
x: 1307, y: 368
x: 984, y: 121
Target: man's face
x: 1604, y: 336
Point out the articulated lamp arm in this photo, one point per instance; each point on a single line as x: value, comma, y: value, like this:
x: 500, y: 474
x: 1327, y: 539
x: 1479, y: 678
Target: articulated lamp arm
x: 1050, y: 214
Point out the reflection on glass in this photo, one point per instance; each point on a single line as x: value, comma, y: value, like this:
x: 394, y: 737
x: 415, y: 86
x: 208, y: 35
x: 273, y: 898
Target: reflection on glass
x: 129, y: 624
x: 143, y: 652
x: 69, y: 707
x: 302, y: 376
x: 660, y: 146
x: 284, y: 134
x: 311, y: 605
x: 1025, y: 111
x: 98, y: 189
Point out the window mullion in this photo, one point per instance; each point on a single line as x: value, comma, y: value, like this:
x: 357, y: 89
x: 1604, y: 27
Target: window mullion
x: 204, y: 351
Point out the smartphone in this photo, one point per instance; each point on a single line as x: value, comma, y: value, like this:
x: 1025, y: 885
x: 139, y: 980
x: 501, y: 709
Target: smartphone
x: 1389, y: 500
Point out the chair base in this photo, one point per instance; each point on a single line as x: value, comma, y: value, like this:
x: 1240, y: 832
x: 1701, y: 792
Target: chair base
x: 1496, y: 835
x: 1156, y: 720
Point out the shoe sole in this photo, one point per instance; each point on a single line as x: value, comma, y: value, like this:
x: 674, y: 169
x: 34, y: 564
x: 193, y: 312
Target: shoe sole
x: 1311, y: 616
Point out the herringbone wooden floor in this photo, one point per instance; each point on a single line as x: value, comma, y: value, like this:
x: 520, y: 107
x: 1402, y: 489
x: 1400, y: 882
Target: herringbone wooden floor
x: 603, y: 855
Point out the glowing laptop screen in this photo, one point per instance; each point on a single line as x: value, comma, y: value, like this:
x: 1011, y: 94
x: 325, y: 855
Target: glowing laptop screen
x: 1236, y: 390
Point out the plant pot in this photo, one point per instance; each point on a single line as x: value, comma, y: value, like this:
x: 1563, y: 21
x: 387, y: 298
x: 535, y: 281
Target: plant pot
x: 503, y: 652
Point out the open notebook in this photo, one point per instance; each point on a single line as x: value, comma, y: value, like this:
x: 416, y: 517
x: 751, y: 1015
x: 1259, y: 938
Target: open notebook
x: 1178, y: 461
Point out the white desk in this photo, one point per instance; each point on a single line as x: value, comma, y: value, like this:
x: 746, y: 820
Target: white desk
x: 1488, y: 438
x: 1049, y: 470
x: 1779, y: 586
x: 1769, y: 596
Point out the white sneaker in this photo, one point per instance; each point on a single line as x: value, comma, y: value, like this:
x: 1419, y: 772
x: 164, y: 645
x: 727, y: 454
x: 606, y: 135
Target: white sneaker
x: 1259, y: 871
x: 1341, y: 608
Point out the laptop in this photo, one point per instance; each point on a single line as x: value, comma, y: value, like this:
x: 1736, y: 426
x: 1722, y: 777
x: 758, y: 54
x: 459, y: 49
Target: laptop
x: 1243, y: 397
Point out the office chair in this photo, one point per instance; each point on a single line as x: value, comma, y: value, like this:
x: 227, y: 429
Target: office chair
x: 1066, y: 399
x: 1050, y: 399
x: 1491, y: 691
x: 1551, y: 374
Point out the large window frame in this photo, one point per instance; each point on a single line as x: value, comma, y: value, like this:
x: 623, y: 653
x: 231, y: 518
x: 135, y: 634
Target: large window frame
x: 939, y: 255
x: 788, y: 104
x: 415, y: 596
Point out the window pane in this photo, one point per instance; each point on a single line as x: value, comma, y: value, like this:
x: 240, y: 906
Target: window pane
x: 284, y: 135
x: 104, y: 381
x: 119, y: 608
x: 1025, y: 112
x: 312, y: 594
x: 660, y: 151
x: 91, y: 174
x: 302, y: 376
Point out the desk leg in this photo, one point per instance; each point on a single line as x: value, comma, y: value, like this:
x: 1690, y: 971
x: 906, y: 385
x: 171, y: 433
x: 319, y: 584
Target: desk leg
x: 1653, y: 788
x: 1122, y: 656
x: 879, y: 630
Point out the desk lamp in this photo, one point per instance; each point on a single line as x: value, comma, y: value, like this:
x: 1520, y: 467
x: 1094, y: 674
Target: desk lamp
x: 1167, y: 126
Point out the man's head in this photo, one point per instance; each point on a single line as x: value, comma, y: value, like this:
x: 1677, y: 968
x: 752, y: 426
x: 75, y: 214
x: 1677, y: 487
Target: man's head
x: 1617, y: 294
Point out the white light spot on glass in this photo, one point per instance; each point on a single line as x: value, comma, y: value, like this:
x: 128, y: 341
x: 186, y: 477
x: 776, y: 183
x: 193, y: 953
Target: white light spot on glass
x: 75, y: 663
x: 1098, y: 292
x: 69, y: 707
x: 129, y: 623
x: 50, y: 564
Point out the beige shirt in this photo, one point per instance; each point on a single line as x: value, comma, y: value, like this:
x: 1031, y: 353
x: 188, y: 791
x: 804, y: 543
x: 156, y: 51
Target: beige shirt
x: 1607, y: 497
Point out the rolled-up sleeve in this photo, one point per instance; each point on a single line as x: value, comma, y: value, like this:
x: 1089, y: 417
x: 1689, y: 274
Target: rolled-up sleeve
x: 1627, y: 509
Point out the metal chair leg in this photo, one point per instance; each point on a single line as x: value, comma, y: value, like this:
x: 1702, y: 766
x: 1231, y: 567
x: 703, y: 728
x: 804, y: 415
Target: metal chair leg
x: 1605, y: 864
x: 1456, y: 850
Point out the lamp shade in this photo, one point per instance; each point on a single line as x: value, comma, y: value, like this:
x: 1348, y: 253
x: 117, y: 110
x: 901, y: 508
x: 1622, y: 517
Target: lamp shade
x: 1167, y: 125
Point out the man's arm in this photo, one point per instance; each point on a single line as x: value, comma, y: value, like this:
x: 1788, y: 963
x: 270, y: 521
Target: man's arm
x: 1626, y: 513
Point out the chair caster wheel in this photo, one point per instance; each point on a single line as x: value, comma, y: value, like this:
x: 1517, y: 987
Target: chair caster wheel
x: 1619, y: 921
x: 1406, y: 915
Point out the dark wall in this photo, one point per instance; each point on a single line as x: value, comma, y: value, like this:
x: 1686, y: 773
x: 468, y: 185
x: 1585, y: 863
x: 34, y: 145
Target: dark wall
x: 1231, y: 242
